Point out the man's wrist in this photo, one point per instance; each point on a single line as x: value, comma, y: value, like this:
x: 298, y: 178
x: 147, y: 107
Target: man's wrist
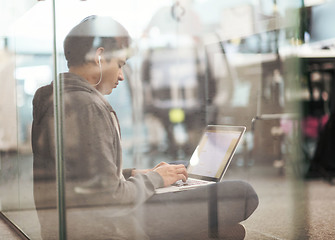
x: 141, y: 171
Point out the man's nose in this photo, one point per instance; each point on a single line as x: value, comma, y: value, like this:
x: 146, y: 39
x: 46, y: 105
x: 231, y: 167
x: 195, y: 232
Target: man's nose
x: 121, y: 76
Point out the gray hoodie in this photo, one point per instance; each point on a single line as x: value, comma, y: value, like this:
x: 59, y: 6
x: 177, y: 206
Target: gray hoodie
x: 91, y: 142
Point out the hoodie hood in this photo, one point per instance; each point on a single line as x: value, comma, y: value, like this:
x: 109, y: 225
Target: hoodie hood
x: 42, y: 102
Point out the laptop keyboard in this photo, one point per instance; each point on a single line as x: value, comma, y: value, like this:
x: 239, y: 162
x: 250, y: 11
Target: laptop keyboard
x: 181, y: 186
x: 189, y: 182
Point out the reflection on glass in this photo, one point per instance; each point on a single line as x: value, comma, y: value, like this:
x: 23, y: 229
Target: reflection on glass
x: 24, y: 68
x: 96, y: 51
x: 192, y: 63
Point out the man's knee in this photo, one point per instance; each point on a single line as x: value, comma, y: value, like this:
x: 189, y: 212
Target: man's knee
x: 238, y: 200
x: 252, y: 200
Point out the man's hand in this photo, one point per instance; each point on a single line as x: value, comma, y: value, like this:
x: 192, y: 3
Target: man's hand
x: 159, y: 165
x: 171, y: 173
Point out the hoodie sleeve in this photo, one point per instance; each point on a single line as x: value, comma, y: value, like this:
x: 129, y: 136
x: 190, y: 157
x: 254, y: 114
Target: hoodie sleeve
x: 127, y: 172
x: 91, y: 141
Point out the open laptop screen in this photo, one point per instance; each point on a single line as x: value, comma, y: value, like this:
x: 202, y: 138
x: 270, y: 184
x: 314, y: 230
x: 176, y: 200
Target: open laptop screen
x: 213, y: 154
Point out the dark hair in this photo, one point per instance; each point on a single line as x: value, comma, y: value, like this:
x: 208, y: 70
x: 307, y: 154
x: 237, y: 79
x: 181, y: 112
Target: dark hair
x: 76, y: 48
x: 90, y: 34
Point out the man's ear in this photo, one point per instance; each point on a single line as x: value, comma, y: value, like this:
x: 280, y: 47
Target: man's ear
x: 98, y: 55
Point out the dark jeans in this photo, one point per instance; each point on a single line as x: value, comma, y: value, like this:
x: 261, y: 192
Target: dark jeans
x: 193, y: 214
x: 198, y: 213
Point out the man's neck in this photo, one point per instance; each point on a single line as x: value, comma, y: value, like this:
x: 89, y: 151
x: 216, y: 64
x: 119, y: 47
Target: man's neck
x: 90, y: 74
x: 86, y: 72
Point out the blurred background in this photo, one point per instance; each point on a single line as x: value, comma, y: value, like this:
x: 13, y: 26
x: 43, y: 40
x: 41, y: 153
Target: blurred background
x: 264, y: 64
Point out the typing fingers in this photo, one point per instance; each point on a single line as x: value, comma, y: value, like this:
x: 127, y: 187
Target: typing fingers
x: 182, y: 172
x: 172, y: 173
x: 182, y: 177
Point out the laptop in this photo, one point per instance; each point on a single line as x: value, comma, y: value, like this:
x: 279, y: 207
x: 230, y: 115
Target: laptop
x: 211, y: 158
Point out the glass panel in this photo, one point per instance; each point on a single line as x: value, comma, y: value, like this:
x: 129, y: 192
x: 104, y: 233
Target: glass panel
x: 26, y: 56
x: 190, y: 63
x: 188, y: 69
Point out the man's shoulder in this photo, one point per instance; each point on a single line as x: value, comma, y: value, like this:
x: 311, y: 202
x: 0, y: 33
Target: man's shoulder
x: 85, y: 104
x: 44, y: 90
x: 43, y: 94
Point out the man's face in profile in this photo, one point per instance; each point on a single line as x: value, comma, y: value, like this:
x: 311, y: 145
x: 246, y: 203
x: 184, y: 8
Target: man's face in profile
x: 112, y: 73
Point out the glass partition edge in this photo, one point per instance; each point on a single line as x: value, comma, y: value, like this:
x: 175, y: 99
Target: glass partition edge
x: 58, y: 112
